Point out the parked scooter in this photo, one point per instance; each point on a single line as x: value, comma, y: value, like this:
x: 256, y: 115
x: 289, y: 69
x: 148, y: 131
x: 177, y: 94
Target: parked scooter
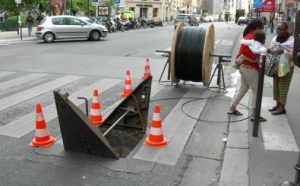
x: 132, y: 24
x: 108, y: 25
x: 113, y: 27
x: 150, y: 23
x: 136, y: 24
x: 121, y: 25
x: 143, y: 22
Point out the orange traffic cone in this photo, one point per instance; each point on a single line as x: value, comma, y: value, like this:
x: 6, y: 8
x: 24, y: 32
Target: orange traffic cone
x: 95, y: 114
x: 156, y: 137
x: 127, y: 89
x: 147, y: 69
x: 42, y: 137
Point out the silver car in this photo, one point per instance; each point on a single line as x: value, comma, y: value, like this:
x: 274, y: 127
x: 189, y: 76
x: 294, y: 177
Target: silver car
x: 188, y: 19
x: 68, y: 27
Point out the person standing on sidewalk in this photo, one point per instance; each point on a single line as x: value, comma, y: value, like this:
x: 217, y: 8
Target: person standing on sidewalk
x: 283, y: 55
x: 264, y: 20
x: 271, y: 25
x: 248, y: 71
x: 30, y: 23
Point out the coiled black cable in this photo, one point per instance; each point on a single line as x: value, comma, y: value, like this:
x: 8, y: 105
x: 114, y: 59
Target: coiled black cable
x: 189, y: 53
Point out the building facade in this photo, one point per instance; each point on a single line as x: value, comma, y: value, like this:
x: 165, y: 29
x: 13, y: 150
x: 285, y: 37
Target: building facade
x: 165, y: 9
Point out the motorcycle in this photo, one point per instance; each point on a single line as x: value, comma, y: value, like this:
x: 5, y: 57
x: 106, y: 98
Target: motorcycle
x: 150, y: 23
x: 122, y: 26
x: 113, y: 25
x: 131, y: 23
x: 143, y: 22
x: 134, y: 23
x: 108, y: 25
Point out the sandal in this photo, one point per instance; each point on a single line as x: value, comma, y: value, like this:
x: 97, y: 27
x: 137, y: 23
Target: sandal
x: 236, y: 112
x: 261, y: 119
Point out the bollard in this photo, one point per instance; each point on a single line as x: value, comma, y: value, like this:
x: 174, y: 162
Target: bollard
x: 297, y: 177
x: 262, y: 63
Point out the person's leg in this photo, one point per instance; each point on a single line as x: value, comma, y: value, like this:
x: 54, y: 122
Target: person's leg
x: 253, y: 82
x: 276, y: 90
x: 242, y: 91
x: 29, y: 28
x: 283, y: 88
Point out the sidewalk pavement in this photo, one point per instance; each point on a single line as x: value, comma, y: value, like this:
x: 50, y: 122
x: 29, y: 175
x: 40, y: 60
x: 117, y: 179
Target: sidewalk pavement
x: 269, y: 159
x: 14, y: 35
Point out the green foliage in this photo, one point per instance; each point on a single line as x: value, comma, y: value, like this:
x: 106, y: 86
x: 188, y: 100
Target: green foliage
x: 109, y: 2
x: 13, y: 21
x: 36, y: 6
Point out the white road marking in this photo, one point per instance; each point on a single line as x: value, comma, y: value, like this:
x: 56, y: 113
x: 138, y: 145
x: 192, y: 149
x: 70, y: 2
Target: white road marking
x: 26, y: 124
x: 5, y: 73
x: 20, y: 80
x: 177, y: 127
x: 38, y: 90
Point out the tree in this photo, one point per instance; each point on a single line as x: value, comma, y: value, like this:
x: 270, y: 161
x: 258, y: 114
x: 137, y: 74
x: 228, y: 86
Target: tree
x: 29, y: 5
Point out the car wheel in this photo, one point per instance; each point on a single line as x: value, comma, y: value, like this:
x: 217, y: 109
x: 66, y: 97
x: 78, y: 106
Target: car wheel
x: 95, y: 35
x: 49, y: 37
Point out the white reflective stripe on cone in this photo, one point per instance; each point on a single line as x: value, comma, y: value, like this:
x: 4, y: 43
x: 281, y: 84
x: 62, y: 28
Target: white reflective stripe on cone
x: 95, y: 99
x: 156, y: 117
x: 41, y: 133
x: 127, y: 78
x: 127, y: 87
x: 39, y: 117
x: 156, y: 131
x: 95, y: 112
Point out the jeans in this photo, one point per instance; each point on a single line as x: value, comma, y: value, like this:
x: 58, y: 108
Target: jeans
x: 271, y: 28
x: 30, y: 25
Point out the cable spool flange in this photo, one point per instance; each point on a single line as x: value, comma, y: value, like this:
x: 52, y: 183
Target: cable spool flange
x: 202, y: 58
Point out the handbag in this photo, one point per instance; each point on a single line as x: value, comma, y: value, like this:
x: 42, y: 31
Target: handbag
x: 269, y: 67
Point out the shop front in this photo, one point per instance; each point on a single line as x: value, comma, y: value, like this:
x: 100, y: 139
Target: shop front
x: 148, y: 10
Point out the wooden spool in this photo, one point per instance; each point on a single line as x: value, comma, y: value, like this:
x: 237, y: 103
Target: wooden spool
x: 207, y: 59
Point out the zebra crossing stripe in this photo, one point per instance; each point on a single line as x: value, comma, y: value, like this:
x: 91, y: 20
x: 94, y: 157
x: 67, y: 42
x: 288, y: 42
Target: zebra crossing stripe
x: 24, y: 125
x: 3, y: 74
x: 154, y: 90
x: 177, y: 127
x: 36, y: 91
x: 20, y: 80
